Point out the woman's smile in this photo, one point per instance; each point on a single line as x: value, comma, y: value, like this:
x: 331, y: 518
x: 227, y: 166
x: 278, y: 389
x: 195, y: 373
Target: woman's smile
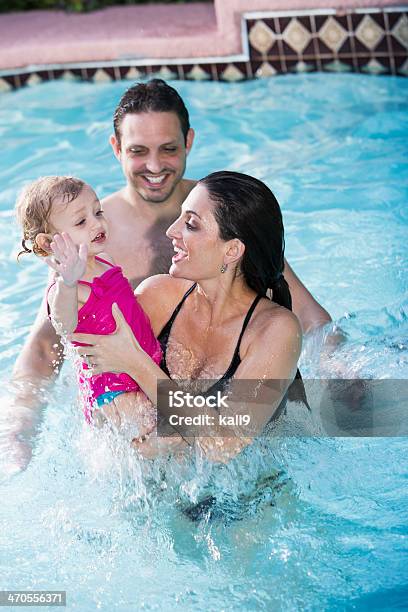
x: 180, y: 254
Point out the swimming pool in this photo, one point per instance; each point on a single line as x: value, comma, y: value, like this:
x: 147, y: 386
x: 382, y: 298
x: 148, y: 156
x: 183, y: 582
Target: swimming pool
x: 302, y: 523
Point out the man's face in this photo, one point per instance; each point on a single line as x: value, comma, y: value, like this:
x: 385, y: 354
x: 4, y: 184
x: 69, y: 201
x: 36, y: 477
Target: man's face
x: 153, y: 153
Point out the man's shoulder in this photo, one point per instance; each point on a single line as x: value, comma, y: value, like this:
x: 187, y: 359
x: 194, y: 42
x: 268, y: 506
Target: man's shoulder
x: 187, y: 186
x: 113, y: 198
x: 190, y: 183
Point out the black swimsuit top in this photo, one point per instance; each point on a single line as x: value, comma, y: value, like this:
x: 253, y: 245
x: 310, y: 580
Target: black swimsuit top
x: 164, y: 335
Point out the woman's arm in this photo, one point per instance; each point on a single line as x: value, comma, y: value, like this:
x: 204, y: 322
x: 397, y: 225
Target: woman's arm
x: 109, y: 349
x: 282, y: 332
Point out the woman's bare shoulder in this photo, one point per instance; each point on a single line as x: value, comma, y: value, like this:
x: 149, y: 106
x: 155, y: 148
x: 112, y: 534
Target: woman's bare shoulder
x: 272, y: 347
x: 277, y: 320
x: 159, y: 295
x: 162, y: 282
x: 274, y: 325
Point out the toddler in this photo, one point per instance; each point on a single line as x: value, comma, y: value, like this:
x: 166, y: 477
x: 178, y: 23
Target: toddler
x: 63, y: 220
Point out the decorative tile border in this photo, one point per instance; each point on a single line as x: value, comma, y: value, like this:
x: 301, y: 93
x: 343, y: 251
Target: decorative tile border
x: 371, y: 41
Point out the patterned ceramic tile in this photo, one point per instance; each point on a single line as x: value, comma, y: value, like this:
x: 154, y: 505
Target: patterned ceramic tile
x: 266, y: 69
x: 232, y: 73
x: 197, y: 72
x: 33, y: 79
x: 165, y: 73
x: 20, y: 80
x: 269, y: 44
x: 401, y: 66
x: 374, y: 65
x: 116, y: 73
x: 369, y: 33
x: 296, y: 36
x: 45, y: 75
x: 300, y: 66
x: 333, y: 34
x: 380, y: 20
x: 131, y: 73
x: 101, y: 76
x: 338, y: 66
x: 400, y: 31
x: 261, y: 37
x: 69, y: 75
x: 403, y: 69
x: 334, y: 37
x: 113, y: 72
x: 5, y: 85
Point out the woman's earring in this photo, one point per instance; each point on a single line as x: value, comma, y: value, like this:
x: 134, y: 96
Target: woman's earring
x: 224, y: 268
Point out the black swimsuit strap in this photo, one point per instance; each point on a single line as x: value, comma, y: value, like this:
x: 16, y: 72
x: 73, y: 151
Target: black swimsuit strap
x: 164, y: 335
x: 236, y: 358
x: 246, y: 321
x: 166, y: 329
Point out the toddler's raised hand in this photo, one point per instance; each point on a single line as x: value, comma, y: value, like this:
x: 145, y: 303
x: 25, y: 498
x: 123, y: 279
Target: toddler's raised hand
x: 69, y: 261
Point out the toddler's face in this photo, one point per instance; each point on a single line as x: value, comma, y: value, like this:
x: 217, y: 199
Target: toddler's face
x: 82, y: 219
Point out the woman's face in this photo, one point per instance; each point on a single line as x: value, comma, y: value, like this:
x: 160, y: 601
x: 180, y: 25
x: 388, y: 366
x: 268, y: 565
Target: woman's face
x: 199, y: 250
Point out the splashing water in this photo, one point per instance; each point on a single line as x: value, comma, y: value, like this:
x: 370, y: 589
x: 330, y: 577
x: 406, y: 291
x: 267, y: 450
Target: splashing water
x: 293, y: 522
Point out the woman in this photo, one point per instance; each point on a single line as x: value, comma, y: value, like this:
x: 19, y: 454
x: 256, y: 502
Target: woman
x: 211, y: 313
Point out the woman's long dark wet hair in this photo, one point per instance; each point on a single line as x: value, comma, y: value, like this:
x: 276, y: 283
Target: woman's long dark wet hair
x: 245, y: 208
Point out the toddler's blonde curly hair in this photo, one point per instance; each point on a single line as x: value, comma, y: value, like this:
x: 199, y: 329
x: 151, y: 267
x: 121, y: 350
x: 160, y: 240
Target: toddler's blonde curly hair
x: 33, y: 207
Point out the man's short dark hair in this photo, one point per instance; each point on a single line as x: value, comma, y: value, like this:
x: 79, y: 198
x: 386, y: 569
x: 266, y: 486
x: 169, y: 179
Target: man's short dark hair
x: 154, y: 96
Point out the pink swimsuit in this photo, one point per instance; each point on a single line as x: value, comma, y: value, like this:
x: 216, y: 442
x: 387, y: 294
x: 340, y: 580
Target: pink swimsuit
x: 95, y: 317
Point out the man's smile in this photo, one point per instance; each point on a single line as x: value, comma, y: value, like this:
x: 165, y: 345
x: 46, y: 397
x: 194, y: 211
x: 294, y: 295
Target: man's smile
x: 155, y: 181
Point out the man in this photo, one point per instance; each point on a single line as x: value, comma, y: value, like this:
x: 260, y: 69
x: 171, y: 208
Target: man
x: 151, y: 141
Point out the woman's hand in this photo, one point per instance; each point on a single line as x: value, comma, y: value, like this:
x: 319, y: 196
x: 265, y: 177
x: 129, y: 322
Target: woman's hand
x: 153, y: 446
x: 69, y: 261
x: 116, y: 352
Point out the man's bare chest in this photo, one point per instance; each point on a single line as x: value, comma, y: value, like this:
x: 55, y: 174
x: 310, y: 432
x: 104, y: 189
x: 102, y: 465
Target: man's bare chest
x: 141, y: 252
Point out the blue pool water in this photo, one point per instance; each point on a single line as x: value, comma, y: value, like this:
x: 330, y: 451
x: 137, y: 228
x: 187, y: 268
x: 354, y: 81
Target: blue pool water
x: 302, y: 523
